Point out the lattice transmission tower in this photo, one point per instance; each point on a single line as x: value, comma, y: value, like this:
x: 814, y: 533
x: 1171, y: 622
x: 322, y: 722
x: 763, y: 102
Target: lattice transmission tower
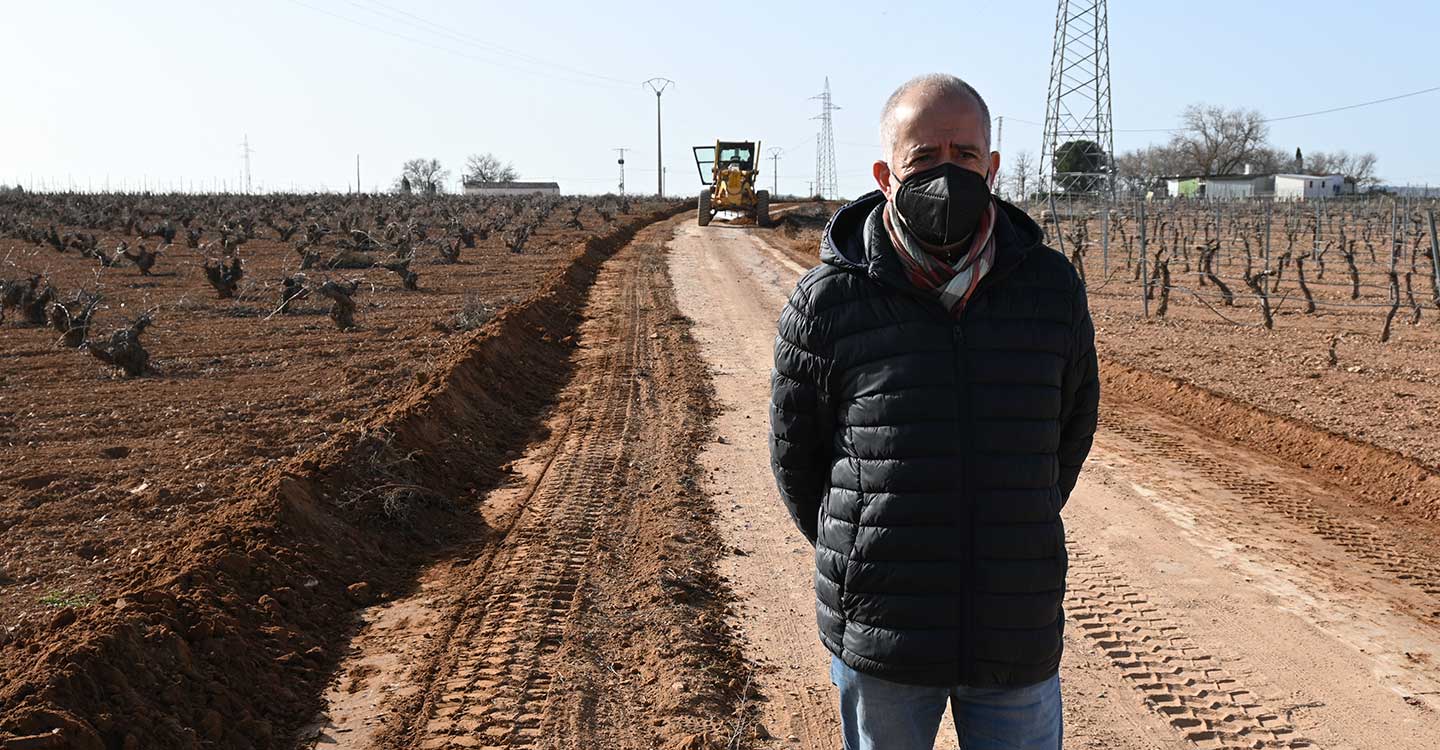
x: 1077, y: 155
x: 826, y: 184
x: 245, y: 152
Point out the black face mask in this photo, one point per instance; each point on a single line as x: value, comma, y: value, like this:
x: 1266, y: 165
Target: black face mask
x: 942, y: 205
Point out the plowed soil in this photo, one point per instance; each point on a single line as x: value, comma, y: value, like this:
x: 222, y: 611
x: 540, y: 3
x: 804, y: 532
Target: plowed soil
x: 594, y: 556
x: 179, y: 549
x: 594, y: 616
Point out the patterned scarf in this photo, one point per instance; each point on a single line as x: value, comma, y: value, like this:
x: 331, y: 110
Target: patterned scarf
x: 953, y: 282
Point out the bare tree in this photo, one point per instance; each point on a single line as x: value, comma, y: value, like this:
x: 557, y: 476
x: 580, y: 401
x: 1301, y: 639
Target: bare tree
x: 424, y: 175
x: 1211, y: 141
x: 487, y: 167
x: 1139, y: 169
x: 1360, y: 168
x: 1020, y: 170
x: 1220, y: 141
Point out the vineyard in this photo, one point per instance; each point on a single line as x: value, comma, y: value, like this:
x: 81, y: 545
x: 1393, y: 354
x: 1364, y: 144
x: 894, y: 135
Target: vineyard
x: 168, y: 359
x: 1248, y: 261
x: 1322, y: 312
x: 394, y: 471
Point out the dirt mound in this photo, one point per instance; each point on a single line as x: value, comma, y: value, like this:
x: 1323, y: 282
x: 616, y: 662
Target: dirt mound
x: 593, y: 617
x: 812, y: 216
x: 1374, y: 473
x: 225, y: 637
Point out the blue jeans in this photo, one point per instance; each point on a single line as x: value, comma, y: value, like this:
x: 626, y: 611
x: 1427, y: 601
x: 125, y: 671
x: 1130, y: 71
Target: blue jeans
x: 876, y: 714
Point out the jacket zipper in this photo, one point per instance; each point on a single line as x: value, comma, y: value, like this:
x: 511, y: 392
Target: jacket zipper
x: 967, y: 438
x: 962, y: 377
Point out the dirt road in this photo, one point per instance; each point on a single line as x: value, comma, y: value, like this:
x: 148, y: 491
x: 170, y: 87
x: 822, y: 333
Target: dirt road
x: 1217, y: 598
x: 589, y: 617
x: 640, y: 585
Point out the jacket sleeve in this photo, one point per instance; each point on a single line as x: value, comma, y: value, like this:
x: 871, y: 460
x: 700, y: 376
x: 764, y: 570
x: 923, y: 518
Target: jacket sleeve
x: 1080, y: 403
x: 800, y: 422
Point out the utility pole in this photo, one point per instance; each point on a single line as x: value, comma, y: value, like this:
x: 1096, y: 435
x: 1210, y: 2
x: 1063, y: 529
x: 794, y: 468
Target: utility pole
x: 999, y: 187
x: 357, y: 174
x: 658, y: 85
x: 245, y: 152
x: 621, y: 162
x: 775, y: 152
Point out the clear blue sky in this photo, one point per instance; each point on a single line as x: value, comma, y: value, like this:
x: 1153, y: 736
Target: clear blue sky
x: 164, y: 90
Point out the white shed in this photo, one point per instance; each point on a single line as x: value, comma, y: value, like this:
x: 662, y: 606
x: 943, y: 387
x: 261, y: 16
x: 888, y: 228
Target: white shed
x: 1308, y: 186
x: 512, y: 188
x: 1230, y: 186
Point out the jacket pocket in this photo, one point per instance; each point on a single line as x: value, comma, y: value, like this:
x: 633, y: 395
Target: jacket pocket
x: 851, y: 561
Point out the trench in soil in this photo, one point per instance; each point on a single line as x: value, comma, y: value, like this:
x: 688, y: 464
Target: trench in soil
x: 594, y: 618
x: 232, y: 646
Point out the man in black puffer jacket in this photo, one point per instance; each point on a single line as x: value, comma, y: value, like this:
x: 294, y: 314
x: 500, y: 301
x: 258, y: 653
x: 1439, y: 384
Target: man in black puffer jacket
x: 934, y: 395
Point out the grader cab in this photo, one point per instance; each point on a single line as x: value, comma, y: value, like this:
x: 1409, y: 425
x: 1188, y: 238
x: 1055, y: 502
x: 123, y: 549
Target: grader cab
x: 728, y: 170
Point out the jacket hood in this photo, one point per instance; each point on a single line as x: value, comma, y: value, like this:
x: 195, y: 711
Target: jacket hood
x: 845, y: 244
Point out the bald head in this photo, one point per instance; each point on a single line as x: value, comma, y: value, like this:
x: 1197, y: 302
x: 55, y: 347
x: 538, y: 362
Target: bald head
x: 922, y: 93
x: 933, y: 120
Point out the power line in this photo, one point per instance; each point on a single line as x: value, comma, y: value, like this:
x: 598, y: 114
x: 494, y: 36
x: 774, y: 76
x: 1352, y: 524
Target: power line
x: 797, y: 145
x: 1317, y: 112
x: 1355, y: 106
x: 476, y: 41
x: 1283, y: 118
x: 442, y: 48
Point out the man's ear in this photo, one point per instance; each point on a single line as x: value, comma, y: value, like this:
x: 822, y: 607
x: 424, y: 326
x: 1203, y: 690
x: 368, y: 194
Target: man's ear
x: 881, y: 170
x: 994, y: 169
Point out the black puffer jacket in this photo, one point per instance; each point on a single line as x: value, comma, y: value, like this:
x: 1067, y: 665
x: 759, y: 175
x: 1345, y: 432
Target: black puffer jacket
x: 928, y: 458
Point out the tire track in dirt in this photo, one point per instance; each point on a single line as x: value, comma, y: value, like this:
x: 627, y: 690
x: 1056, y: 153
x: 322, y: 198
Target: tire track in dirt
x: 733, y: 283
x: 1378, y: 548
x: 508, y: 663
x: 1243, y: 560
x: 1220, y: 596
x: 1177, y: 678
x: 492, y: 680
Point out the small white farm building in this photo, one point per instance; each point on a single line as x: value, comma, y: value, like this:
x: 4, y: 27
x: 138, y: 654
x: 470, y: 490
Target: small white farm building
x: 1239, y: 186
x: 1305, y: 186
x: 511, y: 188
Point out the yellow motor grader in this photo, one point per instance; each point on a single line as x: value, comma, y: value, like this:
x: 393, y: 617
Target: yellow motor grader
x: 728, y: 169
